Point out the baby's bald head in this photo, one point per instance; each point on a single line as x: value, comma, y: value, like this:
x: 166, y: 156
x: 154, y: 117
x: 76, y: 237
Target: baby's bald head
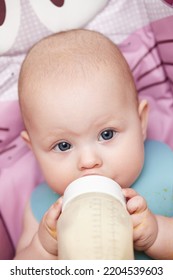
x: 66, y: 57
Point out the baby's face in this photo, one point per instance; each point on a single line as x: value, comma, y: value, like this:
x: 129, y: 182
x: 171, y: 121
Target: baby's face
x: 87, y: 127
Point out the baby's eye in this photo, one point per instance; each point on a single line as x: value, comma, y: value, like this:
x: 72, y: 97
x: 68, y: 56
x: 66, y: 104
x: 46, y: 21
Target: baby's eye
x: 107, y: 134
x: 62, y: 146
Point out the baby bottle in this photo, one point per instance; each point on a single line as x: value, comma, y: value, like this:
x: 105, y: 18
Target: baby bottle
x: 94, y: 223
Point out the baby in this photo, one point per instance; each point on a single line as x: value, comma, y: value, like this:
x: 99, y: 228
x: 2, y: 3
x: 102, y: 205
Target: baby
x: 82, y: 117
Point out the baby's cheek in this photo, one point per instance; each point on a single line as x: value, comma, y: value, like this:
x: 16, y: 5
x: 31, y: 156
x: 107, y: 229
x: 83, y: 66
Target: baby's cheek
x: 58, y: 182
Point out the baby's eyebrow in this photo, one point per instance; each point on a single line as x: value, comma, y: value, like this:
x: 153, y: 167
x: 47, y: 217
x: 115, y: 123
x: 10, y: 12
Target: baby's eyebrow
x: 110, y: 120
x: 52, y: 136
x: 56, y: 135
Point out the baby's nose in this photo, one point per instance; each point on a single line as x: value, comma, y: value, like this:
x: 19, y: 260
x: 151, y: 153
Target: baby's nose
x: 89, y: 159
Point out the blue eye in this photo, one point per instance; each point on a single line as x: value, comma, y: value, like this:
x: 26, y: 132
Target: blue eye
x: 62, y: 146
x: 107, y: 135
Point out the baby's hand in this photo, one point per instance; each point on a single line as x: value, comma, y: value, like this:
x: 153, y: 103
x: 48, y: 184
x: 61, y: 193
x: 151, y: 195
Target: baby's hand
x: 47, y: 229
x: 145, y: 226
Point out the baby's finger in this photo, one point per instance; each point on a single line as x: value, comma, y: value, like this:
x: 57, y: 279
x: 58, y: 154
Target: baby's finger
x: 129, y: 193
x: 136, y: 204
x: 52, y: 216
x: 47, y: 228
x: 137, y: 220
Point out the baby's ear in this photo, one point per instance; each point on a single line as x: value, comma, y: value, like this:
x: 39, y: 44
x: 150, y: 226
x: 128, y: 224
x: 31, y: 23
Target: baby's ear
x: 143, y: 110
x: 25, y: 136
